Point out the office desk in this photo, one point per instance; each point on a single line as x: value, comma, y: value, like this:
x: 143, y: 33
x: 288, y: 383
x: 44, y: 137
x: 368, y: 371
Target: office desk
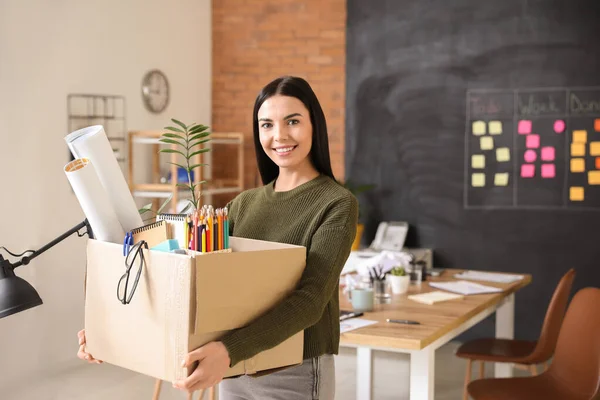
x: 440, y: 323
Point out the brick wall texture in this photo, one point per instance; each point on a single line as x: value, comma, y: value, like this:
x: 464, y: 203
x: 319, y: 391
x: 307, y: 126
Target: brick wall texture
x: 255, y: 41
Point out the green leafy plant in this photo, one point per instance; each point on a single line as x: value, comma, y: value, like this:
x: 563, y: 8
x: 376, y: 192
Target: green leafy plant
x: 188, y: 141
x: 398, y: 271
x: 357, y: 190
x: 148, y: 209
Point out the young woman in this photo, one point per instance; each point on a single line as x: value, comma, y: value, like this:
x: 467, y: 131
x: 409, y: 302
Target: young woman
x: 300, y: 203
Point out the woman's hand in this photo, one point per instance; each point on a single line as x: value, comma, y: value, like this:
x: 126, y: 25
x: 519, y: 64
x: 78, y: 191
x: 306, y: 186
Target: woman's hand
x: 82, y: 353
x: 213, y: 360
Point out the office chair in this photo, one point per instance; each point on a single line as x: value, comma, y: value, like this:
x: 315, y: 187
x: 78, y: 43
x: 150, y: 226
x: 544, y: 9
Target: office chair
x: 575, y: 370
x: 521, y: 352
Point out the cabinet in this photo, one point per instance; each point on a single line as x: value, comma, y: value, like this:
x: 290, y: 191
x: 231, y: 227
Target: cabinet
x: 157, y: 189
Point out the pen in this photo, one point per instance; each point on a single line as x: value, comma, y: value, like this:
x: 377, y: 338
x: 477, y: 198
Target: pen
x: 403, y: 321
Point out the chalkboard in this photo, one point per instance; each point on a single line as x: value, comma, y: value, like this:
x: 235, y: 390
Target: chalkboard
x: 479, y: 124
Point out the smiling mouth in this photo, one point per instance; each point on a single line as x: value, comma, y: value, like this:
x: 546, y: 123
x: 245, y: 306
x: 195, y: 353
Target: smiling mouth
x: 284, y: 150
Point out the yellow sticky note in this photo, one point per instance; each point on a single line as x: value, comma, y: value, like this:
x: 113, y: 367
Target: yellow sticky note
x: 495, y: 128
x: 577, y: 149
x: 576, y: 193
x: 501, y: 179
x: 594, y: 148
x: 503, y: 154
x: 486, y: 143
x: 577, y: 165
x: 478, y: 180
x: 478, y: 128
x: 478, y: 161
x: 579, y: 136
x: 594, y: 177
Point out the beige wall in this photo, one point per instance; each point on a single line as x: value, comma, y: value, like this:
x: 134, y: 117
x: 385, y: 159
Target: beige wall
x: 49, y: 49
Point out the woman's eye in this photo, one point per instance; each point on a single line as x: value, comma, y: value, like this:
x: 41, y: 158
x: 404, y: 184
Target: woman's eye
x: 266, y: 125
x: 293, y: 121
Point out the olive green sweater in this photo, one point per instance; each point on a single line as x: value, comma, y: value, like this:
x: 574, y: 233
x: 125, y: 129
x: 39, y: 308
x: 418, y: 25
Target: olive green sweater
x: 322, y: 216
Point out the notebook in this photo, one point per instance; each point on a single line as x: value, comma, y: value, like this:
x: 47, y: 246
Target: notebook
x: 153, y: 234
x: 489, y: 276
x: 464, y: 287
x: 436, y: 296
x: 177, y: 227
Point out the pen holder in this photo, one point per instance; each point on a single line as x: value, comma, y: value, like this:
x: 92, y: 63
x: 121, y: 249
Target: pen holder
x: 380, y: 289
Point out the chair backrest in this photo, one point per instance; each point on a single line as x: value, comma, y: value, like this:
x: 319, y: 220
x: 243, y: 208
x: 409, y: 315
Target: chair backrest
x: 553, y: 320
x: 576, y: 363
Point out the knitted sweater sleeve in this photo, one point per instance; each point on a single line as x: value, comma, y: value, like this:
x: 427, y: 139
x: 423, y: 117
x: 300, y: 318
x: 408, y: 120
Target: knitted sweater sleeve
x: 326, y: 256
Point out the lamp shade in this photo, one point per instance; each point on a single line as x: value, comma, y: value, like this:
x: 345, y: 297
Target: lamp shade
x: 16, y: 294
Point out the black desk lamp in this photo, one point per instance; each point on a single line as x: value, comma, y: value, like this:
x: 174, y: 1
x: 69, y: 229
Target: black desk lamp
x: 16, y: 294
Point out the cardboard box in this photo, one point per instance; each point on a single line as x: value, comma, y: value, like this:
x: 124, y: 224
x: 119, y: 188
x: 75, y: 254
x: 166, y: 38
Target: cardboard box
x: 183, y: 302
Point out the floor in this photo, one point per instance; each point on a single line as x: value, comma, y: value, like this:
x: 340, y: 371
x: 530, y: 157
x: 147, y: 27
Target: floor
x: 79, y: 381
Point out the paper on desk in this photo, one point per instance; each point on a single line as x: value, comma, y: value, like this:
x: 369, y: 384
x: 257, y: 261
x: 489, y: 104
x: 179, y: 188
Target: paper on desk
x: 362, y: 261
x: 464, y: 287
x: 489, y: 276
x: 354, y: 323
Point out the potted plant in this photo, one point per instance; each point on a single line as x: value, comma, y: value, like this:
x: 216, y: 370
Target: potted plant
x: 399, y: 280
x: 356, y: 190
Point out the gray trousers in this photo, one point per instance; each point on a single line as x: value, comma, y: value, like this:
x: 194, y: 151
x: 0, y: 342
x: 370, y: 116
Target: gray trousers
x: 314, y: 379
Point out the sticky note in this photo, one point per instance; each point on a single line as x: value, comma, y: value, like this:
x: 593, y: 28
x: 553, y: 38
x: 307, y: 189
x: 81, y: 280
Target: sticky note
x: 524, y: 127
x: 530, y: 156
x: 478, y: 180
x: 577, y: 149
x: 548, y: 171
x: 594, y: 148
x: 495, y: 128
x: 559, y: 126
x: 532, y: 141
x: 576, y: 193
x: 486, y: 143
x: 579, y: 136
x: 594, y: 177
x: 478, y: 161
x: 577, y: 165
x: 548, y: 153
x: 597, y: 162
x: 527, y: 170
x: 597, y: 125
x: 502, y: 154
x: 501, y: 179
x: 478, y: 128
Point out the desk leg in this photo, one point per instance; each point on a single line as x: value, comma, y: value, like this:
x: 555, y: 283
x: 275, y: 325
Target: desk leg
x: 422, y: 374
x: 364, y: 373
x: 505, y: 329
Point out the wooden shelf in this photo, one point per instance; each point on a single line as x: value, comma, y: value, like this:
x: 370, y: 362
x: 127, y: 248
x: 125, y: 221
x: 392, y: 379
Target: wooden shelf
x: 164, y: 190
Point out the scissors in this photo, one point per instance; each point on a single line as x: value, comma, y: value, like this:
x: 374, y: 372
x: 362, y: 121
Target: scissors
x: 127, y: 243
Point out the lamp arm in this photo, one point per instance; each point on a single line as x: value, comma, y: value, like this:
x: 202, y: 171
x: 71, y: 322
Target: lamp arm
x: 84, y: 224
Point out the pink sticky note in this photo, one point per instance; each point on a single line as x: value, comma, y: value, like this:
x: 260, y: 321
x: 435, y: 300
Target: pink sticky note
x: 559, y: 126
x: 548, y: 171
x: 530, y: 156
x: 527, y: 170
x: 524, y: 127
x: 532, y: 141
x: 548, y: 153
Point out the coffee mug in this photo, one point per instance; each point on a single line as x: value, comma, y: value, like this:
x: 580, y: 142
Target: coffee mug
x: 362, y: 299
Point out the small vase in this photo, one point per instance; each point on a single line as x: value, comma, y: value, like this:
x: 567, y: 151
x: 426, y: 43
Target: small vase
x: 399, y: 284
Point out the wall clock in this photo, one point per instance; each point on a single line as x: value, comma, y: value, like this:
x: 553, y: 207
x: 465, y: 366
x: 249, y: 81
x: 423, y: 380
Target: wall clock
x: 155, y: 91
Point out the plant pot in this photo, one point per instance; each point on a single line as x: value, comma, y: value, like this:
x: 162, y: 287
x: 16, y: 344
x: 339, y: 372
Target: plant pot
x: 359, y: 231
x: 399, y: 284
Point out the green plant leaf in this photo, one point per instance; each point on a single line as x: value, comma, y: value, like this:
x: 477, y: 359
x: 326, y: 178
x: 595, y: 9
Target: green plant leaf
x: 172, y: 151
x: 198, y: 128
x: 172, y: 128
x: 200, y: 142
x: 198, y: 165
x: 198, y: 152
x: 174, y: 136
x: 186, y: 208
x: 160, y: 209
x: 184, y: 185
x: 179, y: 165
x: 199, y: 135
x: 181, y: 124
x: 171, y: 141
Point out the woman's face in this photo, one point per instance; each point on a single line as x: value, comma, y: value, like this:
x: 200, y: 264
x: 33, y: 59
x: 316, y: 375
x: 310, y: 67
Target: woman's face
x: 285, y: 131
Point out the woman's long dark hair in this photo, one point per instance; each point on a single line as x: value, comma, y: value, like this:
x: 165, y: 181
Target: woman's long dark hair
x: 319, y: 153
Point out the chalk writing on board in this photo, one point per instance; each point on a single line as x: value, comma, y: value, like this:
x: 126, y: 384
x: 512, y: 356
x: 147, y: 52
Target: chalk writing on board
x: 547, y: 149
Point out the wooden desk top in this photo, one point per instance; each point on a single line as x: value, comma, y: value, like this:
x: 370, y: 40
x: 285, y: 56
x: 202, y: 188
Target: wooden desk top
x: 436, y: 320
